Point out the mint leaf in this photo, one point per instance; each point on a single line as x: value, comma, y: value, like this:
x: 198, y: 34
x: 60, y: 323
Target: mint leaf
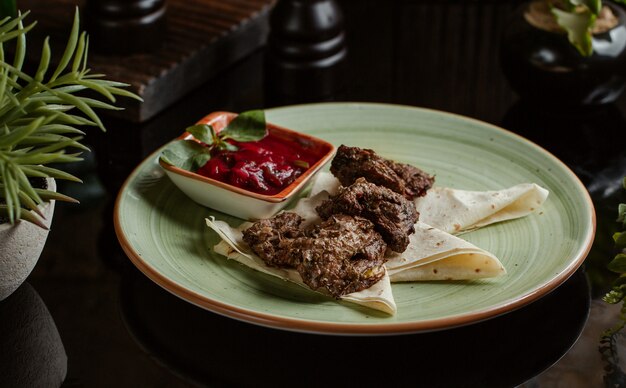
x: 184, y: 154
x: 247, y: 126
x: 226, y: 146
x: 199, y: 160
x: 203, y: 132
x: 190, y: 155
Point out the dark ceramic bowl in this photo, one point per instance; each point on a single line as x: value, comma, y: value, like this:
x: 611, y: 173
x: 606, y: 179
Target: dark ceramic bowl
x: 240, y: 202
x: 545, y: 67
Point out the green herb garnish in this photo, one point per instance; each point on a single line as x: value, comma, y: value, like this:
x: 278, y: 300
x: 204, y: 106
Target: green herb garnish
x: 190, y: 155
x: 608, y: 348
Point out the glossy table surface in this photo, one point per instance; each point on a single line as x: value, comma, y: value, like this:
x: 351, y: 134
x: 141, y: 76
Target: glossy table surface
x: 87, y: 313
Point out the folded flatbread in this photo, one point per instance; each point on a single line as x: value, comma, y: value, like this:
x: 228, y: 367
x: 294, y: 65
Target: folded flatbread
x: 432, y: 254
x: 378, y: 297
x: 456, y: 211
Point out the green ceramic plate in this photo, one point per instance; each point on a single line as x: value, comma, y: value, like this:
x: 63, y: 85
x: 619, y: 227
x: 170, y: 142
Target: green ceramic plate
x: 164, y: 234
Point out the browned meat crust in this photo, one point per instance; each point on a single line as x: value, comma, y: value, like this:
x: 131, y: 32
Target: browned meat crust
x: 345, y: 253
x: 416, y: 181
x: 393, y: 215
x: 342, y: 255
x: 271, y: 238
x: 351, y: 163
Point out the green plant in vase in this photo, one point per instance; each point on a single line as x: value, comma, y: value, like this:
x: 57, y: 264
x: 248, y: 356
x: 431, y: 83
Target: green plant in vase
x: 41, y: 116
x: 579, y: 19
x: 566, y: 53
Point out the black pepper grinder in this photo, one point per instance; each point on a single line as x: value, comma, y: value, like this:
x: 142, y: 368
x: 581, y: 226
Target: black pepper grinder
x: 305, y: 52
x: 123, y: 27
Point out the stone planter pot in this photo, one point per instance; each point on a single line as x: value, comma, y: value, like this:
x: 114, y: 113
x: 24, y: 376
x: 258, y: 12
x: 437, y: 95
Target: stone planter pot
x: 544, y: 67
x: 20, y: 247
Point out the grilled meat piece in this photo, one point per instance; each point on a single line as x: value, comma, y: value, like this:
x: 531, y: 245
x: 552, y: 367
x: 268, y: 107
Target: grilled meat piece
x: 343, y: 254
x: 351, y: 163
x: 271, y: 238
x: 416, y: 181
x: 393, y: 215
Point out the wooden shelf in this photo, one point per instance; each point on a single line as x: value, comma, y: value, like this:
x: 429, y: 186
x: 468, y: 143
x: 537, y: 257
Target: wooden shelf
x: 203, y: 37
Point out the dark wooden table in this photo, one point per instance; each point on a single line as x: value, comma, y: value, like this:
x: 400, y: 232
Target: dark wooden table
x: 114, y: 325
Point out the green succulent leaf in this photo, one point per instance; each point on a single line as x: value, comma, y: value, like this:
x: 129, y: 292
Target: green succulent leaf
x: 94, y: 85
x: 577, y: 24
x: 24, y: 185
x: 48, y: 172
x: 29, y: 203
x: 11, y: 190
x: 59, y: 129
x: 39, y: 117
x: 70, y: 48
x: 13, y: 28
x: 81, y: 104
x: 44, y: 62
x: 14, y: 136
x: 8, y: 212
x: 48, y: 195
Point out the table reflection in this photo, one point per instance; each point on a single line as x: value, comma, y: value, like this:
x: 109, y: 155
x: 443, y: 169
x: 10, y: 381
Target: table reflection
x: 206, y: 348
x: 32, y: 351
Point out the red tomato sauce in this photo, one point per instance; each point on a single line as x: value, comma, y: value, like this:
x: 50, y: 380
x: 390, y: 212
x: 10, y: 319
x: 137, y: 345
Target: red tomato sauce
x: 266, y: 166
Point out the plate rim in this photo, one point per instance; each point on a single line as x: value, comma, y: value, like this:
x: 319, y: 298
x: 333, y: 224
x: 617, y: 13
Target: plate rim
x: 341, y: 328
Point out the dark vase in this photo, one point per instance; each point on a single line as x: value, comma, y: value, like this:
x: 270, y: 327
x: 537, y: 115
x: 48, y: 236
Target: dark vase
x: 544, y: 67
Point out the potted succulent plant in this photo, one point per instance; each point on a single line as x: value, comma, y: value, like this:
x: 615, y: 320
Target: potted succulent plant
x: 40, y: 117
x: 566, y: 52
